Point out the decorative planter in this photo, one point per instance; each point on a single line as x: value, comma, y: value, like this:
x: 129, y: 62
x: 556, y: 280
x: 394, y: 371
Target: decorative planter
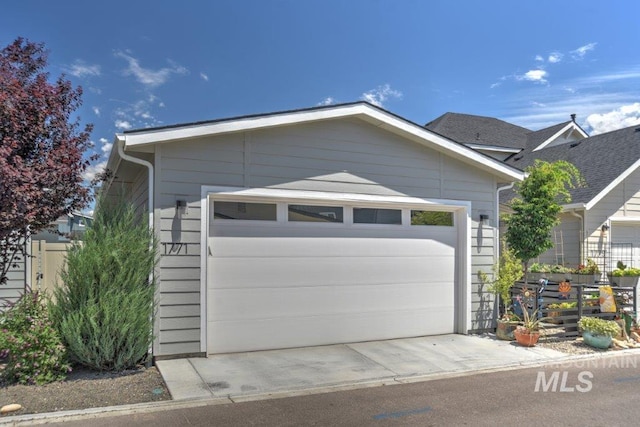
x: 504, y: 330
x: 558, y: 277
x: 586, y: 279
x: 526, y: 338
x: 597, y: 341
x: 534, y: 277
x: 624, y: 281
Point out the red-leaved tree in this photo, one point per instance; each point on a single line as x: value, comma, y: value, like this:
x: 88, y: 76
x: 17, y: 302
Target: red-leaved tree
x: 41, y: 149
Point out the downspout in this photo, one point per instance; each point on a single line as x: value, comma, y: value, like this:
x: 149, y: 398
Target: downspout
x: 149, y: 167
x: 496, y: 256
x: 582, y: 237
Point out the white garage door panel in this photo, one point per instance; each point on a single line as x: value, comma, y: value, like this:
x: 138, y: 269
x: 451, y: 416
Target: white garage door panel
x: 308, y: 331
x: 278, y: 285
x: 288, y: 272
x: 233, y: 304
x: 376, y: 245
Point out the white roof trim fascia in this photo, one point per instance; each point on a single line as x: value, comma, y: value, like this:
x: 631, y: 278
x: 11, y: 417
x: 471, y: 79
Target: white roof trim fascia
x: 377, y: 117
x: 493, y: 148
x: 623, y: 219
x: 241, y: 124
x: 573, y: 206
x: 613, y: 185
x: 560, y: 132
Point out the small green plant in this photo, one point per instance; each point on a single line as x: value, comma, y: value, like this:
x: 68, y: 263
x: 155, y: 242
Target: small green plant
x: 506, y: 273
x: 536, y: 267
x: 34, y: 351
x: 597, y: 326
x: 531, y: 322
x: 589, y: 268
x: 626, y: 272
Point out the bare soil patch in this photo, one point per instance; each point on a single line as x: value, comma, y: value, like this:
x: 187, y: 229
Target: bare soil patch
x: 85, y: 389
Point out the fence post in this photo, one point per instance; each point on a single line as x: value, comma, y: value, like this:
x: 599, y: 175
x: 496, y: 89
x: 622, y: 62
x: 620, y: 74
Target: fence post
x: 580, y: 302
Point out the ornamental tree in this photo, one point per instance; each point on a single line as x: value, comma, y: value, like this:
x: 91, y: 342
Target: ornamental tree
x: 41, y: 149
x: 537, y: 206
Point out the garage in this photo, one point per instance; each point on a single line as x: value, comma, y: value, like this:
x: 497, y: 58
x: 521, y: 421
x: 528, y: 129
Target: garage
x: 305, y: 272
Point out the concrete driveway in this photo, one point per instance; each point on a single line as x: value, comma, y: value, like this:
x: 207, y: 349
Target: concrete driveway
x: 248, y: 376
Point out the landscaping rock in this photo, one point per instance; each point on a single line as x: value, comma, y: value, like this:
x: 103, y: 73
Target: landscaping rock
x: 10, y: 408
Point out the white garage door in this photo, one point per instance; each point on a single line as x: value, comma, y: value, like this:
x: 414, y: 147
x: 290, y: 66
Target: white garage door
x: 284, y: 275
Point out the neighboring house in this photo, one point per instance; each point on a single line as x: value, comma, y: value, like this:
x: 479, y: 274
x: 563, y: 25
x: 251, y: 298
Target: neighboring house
x: 67, y: 228
x: 319, y: 226
x: 602, y: 222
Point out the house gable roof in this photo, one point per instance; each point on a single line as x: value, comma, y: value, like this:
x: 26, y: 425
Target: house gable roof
x: 362, y: 110
x: 604, y: 161
x: 479, y: 130
x: 562, y: 133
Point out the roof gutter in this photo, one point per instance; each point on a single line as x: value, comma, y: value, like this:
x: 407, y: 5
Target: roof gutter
x: 145, y: 163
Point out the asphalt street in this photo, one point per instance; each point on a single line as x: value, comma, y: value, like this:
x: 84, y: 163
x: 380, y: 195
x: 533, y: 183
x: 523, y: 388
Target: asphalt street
x: 585, y: 392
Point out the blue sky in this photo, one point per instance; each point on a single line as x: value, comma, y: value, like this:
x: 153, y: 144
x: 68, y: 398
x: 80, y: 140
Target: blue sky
x: 151, y: 63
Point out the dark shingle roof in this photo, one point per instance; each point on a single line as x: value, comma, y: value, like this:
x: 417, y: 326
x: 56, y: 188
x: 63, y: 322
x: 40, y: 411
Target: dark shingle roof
x: 601, y: 159
x: 470, y: 129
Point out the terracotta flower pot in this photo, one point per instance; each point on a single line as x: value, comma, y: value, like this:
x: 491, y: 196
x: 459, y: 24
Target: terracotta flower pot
x: 526, y: 338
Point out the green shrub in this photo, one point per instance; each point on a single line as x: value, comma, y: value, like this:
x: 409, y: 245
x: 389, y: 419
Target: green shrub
x: 599, y: 326
x: 34, y: 351
x: 104, y: 310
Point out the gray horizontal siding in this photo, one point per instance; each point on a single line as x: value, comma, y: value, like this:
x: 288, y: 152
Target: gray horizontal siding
x: 15, y: 286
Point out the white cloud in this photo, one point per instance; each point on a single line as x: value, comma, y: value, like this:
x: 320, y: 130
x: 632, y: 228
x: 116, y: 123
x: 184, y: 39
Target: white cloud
x: 106, y: 147
x: 96, y: 111
x: 536, y: 76
x: 91, y: 171
x: 103, y: 140
x: 580, y: 52
x: 148, y: 77
x: 625, y: 116
x: 327, y: 101
x: 555, y: 57
x: 539, y: 58
x: 204, y: 77
x: 123, y: 124
x: 379, y: 95
x: 80, y: 69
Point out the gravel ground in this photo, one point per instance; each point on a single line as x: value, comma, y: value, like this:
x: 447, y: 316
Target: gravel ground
x: 87, y: 389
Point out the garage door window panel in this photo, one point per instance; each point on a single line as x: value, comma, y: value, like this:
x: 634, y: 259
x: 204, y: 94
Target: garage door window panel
x: 377, y: 216
x: 437, y: 218
x: 315, y: 213
x: 244, y: 211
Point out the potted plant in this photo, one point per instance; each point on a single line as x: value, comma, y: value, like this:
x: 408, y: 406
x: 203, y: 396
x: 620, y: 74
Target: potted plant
x: 598, y: 332
x: 527, y: 332
x: 506, y: 273
x: 625, y: 276
x: 587, y: 274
